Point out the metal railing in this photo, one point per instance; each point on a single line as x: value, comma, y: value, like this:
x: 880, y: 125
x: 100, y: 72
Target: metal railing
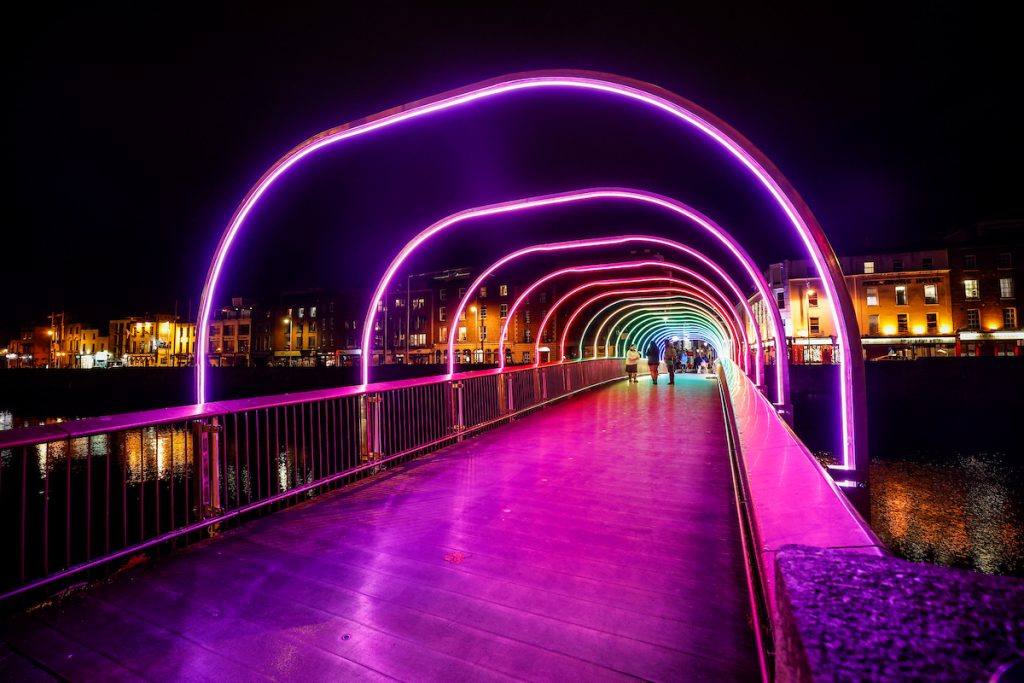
x: 79, y: 494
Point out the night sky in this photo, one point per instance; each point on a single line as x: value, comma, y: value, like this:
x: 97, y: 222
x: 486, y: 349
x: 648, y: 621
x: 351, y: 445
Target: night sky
x: 131, y: 135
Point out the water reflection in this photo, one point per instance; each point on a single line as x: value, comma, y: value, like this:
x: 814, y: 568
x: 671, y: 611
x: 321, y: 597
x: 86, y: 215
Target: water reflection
x: 964, y: 511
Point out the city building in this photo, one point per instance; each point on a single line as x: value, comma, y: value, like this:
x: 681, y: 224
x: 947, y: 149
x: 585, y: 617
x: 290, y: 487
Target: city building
x: 231, y: 334
x: 152, y: 341
x: 985, y: 269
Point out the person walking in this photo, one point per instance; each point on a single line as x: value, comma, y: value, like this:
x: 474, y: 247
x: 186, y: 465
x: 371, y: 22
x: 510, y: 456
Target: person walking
x: 653, y: 358
x: 632, y: 358
x: 670, y: 361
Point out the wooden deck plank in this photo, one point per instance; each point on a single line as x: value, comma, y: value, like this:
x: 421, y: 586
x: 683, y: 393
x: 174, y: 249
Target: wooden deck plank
x: 594, y: 540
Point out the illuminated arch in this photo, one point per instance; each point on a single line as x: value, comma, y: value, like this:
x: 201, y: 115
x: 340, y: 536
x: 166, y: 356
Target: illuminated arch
x: 749, y: 157
x: 650, y: 303
x: 644, y: 322
x: 728, y: 315
x: 782, y: 379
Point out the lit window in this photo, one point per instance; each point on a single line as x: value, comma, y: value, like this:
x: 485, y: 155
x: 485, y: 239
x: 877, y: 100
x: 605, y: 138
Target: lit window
x: 931, y: 294
x: 302, y: 311
x: 483, y: 313
x: 462, y: 334
x: 869, y: 266
x: 462, y: 316
x: 872, y: 296
x: 483, y: 332
x: 971, y: 289
x: 1006, y: 288
x: 419, y: 303
x: 442, y: 335
x: 312, y: 311
x: 527, y: 335
x: 502, y: 290
x: 873, y: 325
x: 1009, y: 317
x: 442, y: 313
x: 813, y: 326
x: 526, y: 356
x: 503, y: 311
x: 933, y: 322
x: 780, y: 299
x: 812, y: 299
x: 902, y: 323
x: 1004, y: 260
x: 973, y: 319
x: 901, y: 295
x: 483, y: 292
x: 526, y: 316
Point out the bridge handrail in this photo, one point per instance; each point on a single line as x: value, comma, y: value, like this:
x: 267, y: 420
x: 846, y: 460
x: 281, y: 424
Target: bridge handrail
x: 180, y: 470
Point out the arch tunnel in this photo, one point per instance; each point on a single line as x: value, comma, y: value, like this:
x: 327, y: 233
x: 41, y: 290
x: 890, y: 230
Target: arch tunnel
x: 684, y: 293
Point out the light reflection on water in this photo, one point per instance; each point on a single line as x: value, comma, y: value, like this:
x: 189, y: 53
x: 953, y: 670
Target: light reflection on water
x: 964, y: 511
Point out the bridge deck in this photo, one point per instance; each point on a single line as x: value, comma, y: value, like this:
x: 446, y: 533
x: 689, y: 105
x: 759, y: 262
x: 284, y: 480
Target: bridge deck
x: 594, y: 540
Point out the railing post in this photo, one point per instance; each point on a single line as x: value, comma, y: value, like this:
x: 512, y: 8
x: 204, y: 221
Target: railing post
x: 370, y: 446
x: 508, y: 393
x: 503, y: 395
x: 206, y: 467
x: 458, y: 416
x: 543, y: 384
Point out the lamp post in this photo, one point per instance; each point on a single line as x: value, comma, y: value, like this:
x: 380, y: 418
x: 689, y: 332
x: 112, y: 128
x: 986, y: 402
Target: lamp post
x: 288, y: 339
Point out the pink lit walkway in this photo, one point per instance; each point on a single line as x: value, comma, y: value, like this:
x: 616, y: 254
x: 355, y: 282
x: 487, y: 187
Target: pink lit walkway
x: 593, y: 540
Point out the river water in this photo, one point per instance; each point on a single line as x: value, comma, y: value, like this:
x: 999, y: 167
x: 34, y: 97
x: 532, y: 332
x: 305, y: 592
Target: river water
x: 955, y: 510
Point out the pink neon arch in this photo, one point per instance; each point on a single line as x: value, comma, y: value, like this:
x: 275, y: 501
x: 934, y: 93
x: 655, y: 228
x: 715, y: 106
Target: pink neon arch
x: 634, y: 302
x: 607, y: 320
x: 645, y: 323
x: 695, y: 294
x: 664, y: 265
x: 798, y: 214
x: 653, y: 309
x: 572, y: 318
x: 623, y: 239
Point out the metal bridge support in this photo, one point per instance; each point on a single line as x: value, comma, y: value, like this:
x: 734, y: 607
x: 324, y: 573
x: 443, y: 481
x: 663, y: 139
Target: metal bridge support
x: 458, y: 405
x: 206, y: 467
x: 370, y: 442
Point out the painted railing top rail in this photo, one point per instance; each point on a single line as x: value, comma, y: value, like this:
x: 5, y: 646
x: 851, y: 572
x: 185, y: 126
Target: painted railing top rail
x: 92, y: 426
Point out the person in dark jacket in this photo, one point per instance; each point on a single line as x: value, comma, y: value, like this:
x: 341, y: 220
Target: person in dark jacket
x: 653, y: 358
x: 670, y: 361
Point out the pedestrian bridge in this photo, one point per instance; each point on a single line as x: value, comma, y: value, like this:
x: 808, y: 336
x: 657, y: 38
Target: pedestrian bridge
x: 540, y: 524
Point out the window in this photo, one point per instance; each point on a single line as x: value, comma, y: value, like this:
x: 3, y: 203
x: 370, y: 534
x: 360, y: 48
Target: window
x: 873, y: 325
x: 417, y: 339
x: 442, y: 313
x: 527, y: 336
x: 1009, y: 317
x: 483, y: 313
x: 483, y: 332
x: 902, y: 323
x: 933, y: 322
x: 442, y: 335
x: 813, y: 326
x: 780, y: 299
x: 931, y: 294
x: 526, y: 316
x: 503, y: 311
x: 897, y: 265
x: 243, y: 330
x: 927, y: 263
x: 442, y: 295
x: 502, y: 290
x: 214, y: 330
x: 462, y: 333
x: 462, y: 292
x: 971, y: 289
x: 812, y: 298
x: 419, y: 303
x: 399, y: 303
x: 483, y: 292
x: 973, y: 319
x: 901, y: 295
x: 1004, y: 260
x: 526, y: 356
x: 869, y: 267
x: 462, y: 316
x: 970, y: 261
x: 302, y: 312
x: 312, y: 311
x: 1006, y: 288
x: 542, y: 297
x: 872, y: 296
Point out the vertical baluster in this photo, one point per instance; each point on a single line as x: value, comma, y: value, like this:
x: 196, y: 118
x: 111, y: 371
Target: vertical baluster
x: 156, y: 480
x: 142, y: 486
x: 88, y: 498
x: 238, y: 477
x: 67, y: 509
x: 46, y: 509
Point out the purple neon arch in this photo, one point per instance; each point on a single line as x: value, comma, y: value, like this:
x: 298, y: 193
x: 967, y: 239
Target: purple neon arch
x: 655, y: 310
x: 635, y: 302
x: 641, y: 322
x: 554, y: 308
x: 609, y: 241
x: 608, y: 320
x: 649, y: 328
x: 695, y: 294
x: 798, y: 214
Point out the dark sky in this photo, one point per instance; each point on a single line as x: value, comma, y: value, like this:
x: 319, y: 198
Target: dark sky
x: 131, y: 134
